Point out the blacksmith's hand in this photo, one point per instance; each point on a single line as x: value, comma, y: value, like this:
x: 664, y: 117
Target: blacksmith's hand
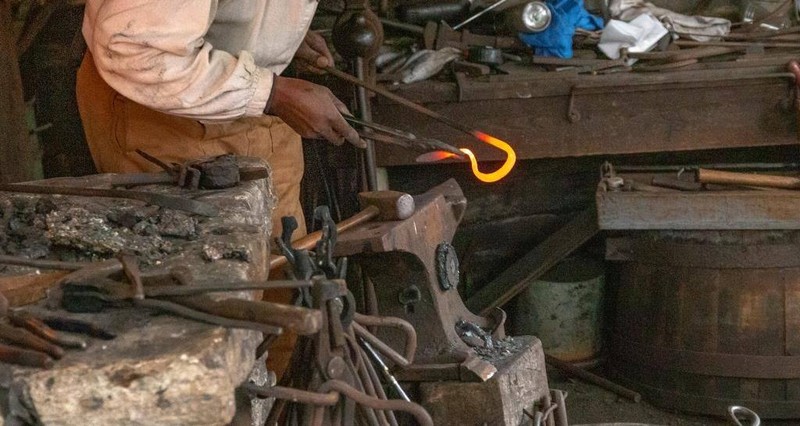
x: 313, y: 54
x: 312, y: 111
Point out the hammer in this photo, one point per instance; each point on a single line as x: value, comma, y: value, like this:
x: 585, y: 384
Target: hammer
x: 379, y: 205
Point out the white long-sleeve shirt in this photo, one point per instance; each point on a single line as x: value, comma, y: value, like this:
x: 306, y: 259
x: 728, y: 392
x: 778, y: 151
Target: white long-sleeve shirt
x: 202, y: 59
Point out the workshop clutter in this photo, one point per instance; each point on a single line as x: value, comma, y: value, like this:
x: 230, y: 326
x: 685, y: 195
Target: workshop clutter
x: 502, y: 37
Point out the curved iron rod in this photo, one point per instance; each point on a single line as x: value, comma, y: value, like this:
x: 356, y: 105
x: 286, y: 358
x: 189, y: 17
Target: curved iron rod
x: 416, y: 410
x: 380, y: 346
x: 405, y: 326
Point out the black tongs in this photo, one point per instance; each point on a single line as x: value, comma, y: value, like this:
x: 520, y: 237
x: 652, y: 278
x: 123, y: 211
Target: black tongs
x: 402, y: 138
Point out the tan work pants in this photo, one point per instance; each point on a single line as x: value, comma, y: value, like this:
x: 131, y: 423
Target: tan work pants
x: 116, y: 127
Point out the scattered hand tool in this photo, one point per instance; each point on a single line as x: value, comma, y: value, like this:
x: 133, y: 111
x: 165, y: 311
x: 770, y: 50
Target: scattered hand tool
x: 746, y: 179
x: 592, y: 378
x: 29, y: 340
x: 339, y: 363
x: 380, y: 205
x: 92, y: 289
x: 386, y: 134
x: 217, y: 172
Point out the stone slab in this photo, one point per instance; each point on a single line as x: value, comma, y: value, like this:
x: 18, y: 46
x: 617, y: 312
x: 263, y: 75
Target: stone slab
x: 160, y: 370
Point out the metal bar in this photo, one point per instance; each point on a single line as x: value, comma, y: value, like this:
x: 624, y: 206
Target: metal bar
x: 182, y: 290
x: 592, y: 378
x: 387, y: 375
x: 376, y: 418
x: 162, y: 200
x: 366, y: 115
x: 479, y: 14
x: 390, y: 417
x: 399, y: 99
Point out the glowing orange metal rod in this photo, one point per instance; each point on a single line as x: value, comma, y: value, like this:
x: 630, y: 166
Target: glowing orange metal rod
x: 483, y: 137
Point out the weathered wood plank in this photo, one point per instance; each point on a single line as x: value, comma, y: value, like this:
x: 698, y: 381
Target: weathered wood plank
x: 18, y: 153
x: 731, y: 210
x: 538, y: 261
x: 678, y: 119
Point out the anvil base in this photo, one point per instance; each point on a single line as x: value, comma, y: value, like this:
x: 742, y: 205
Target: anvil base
x: 520, y: 383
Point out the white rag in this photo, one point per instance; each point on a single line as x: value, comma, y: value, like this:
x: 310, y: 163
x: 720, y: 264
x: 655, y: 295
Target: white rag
x: 699, y: 28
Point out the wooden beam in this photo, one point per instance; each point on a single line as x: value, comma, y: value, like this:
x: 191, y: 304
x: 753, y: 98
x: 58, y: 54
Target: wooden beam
x: 534, y: 264
x: 767, y: 209
x: 18, y: 152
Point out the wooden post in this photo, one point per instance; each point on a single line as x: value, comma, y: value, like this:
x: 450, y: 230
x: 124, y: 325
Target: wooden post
x: 17, y: 152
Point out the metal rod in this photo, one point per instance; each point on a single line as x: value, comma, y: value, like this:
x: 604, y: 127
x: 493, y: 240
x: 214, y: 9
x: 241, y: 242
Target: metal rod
x: 592, y: 378
x: 379, y: 387
x: 162, y: 200
x: 479, y: 14
x: 399, y: 99
x: 182, y: 290
x: 415, y: 29
x: 380, y: 346
x: 416, y: 410
x: 403, y: 325
x: 43, y: 264
x: 294, y: 395
x: 376, y: 418
x: 366, y: 114
x: 687, y: 43
x: 387, y: 375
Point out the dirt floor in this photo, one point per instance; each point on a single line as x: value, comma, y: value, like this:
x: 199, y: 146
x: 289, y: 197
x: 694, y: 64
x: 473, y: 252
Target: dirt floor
x: 587, y: 404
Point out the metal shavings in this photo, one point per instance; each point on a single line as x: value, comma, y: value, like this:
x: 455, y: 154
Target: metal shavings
x: 78, y: 228
x: 214, y: 252
x: 501, y: 350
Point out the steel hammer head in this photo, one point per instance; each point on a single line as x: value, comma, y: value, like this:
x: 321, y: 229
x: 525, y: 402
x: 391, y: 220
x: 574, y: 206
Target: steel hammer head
x: 392, y: 205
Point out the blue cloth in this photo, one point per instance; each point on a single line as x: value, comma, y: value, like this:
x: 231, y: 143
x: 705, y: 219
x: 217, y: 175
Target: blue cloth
x: 556, y: 40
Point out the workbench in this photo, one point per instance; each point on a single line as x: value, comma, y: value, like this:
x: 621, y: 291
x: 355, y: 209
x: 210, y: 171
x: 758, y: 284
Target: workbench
x: 160, y: 369
x: 568, y: 114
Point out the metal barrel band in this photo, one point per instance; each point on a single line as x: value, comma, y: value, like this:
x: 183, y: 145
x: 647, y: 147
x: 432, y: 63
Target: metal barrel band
x: 708, y: 363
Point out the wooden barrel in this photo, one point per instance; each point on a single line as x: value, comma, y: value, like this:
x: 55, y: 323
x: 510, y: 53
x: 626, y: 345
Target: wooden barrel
x: 704, y: 320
